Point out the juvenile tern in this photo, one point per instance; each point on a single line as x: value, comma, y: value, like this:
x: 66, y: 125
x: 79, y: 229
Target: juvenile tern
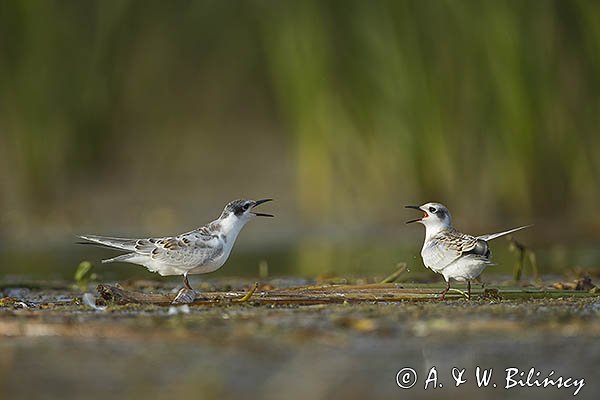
x: 447, y: 251
x: 200, y: 251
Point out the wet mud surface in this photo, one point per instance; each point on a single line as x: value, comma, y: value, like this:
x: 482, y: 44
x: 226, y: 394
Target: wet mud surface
x: 53, y: 343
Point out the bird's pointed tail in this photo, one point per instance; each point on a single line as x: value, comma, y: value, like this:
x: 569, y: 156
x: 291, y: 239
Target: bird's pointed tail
x: 497, y: 235
x: 122, y: 258
x: 113, y: 242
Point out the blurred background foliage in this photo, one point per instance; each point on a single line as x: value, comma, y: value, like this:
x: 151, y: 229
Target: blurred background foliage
x: 146, y: 117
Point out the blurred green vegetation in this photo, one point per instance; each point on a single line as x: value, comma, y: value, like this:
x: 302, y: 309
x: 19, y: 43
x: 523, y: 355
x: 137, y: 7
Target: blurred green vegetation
x: 343, y: 110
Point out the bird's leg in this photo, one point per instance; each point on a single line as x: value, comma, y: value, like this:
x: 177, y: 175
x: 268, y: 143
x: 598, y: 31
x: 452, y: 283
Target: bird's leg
x: 481, y: 282
x: 186, y: 282
x: 445, y: 290
x: 469, y: 289
x: 186, y: 294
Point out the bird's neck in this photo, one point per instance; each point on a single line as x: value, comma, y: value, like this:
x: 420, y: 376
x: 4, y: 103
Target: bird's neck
x: 434, y: 229
x: 230, y: 227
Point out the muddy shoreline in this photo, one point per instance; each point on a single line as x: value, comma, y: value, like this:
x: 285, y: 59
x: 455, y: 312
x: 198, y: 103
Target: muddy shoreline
x: 253, y: 349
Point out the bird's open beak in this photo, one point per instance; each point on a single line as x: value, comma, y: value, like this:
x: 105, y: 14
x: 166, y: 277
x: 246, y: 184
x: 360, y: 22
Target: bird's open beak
x: 418, y: 219
x: 259, y: 202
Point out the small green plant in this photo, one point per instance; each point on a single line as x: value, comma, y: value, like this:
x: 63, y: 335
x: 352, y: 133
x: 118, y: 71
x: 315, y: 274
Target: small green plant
x: 84, y: 275
x: 524, y: 254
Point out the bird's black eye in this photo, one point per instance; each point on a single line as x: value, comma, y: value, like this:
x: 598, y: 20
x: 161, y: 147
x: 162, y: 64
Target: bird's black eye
x: 432, y: 209
x: 246, y: 206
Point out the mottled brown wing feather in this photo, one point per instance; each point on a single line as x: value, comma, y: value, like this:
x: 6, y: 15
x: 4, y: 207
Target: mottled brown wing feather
x: 192, y: 248
x: 446, y: 247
